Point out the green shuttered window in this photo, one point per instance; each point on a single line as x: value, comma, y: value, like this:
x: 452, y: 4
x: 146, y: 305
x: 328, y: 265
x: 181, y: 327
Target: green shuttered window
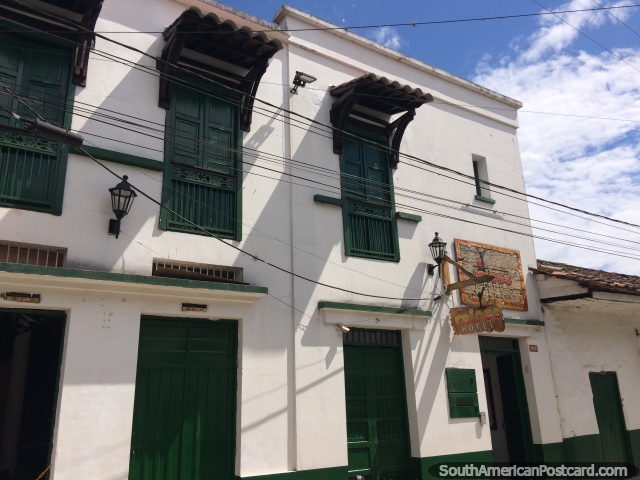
x: 32, y: 170
x: 202, y: 164
x: 370, y: 228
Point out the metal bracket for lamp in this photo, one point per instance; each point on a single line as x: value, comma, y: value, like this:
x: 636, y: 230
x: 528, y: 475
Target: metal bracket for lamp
x: 114, y: 227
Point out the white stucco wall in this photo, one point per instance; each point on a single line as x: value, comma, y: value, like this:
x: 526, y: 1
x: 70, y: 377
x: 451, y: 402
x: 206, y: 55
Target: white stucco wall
x: 593, y: 336
x: 291, y: 408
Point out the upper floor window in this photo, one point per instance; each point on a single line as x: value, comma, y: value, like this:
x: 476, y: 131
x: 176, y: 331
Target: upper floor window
x: 32, y: 170
x: 202, y: 163
x: 41, y: 73
x: 370, y: 227
x: 203, y: 158
x: 369, y: 116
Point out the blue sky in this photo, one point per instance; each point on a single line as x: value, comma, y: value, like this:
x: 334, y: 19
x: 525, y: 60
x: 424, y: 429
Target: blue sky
x: 568, y: 156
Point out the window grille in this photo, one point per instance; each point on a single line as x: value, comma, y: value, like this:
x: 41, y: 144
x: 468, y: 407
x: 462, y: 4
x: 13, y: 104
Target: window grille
x: 30, y: 254
x: 196, y: 271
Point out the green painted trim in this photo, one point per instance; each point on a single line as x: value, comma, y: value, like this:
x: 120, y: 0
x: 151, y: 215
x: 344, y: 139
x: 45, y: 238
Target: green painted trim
x: 337, y: 473
x: 356, y: 307
x: 485, y: 199
x: 549, y: 452
x: 222, y: 94
x: 420, y: 466
x: 476, y: 175
x: 367, y: 133
x: 338, y: 202
x: 127, y: 278
x: 121, y: 158
x: 410, y: 217
x: 585, y: 448
x: 522, y: 321
x: 634, y: 440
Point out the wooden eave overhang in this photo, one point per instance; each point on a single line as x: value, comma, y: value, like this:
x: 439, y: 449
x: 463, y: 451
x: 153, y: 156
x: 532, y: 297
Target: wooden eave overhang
x: 382, y: 96
x: 72, y: 20
x: 225, y: 44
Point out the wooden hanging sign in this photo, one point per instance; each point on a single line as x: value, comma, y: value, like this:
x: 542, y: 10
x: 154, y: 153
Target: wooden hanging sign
x: 506, y: 286
x: 480, y: 319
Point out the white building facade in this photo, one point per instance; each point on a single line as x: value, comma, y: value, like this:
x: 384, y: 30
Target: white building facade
x: 268, y: 309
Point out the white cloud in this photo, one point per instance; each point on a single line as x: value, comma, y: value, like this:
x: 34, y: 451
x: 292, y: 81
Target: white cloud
x: 388, y: 37
x: 588, y: 163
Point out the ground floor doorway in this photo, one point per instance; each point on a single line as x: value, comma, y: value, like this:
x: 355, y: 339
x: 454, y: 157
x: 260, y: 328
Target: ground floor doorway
x: 508, y: 411
x: 614, y: 438
x: 377, y: 421
x: 185, y: 401
x: 31, y: 343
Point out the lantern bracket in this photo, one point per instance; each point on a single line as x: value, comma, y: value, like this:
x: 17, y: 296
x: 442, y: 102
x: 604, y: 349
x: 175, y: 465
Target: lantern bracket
x: 472, y: 280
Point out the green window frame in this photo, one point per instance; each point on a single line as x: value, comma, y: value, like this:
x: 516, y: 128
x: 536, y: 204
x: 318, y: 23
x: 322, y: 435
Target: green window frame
x: 480, y: 175
x: 476, y: 175
x: 203, y: 162
x: 370, y: 226
x: 32, y: 170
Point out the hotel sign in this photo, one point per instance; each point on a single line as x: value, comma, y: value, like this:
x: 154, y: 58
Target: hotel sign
x: 467, y: 320
x: 506, y: 289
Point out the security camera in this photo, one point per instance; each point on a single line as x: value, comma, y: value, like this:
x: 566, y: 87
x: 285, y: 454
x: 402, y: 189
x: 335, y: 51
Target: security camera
x: 342, y: 328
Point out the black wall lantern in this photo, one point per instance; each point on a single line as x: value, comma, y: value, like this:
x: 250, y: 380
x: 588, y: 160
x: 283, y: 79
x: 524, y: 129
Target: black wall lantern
x: 300, y: 80
x: 438, y: 249
x: 122, y: 196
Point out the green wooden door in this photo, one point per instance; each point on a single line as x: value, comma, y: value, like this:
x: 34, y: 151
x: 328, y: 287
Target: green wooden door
x: 517, y: 423
x: 185, y: 401
x: 611, y: 424
x: 377, y: 425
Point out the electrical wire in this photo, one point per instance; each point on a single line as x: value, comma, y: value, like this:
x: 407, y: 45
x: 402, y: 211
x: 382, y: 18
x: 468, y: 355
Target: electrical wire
x: 435, y: 102
x: 411, y: 207
x: 421, y: 193
x: 346, y: 133
x: 382, y: 25
x: 326, y: 126
x: 623, y: 23
x: 584, y: 34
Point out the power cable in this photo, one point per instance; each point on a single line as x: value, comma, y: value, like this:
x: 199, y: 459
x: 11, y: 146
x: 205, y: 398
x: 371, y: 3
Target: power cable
x: 209, y: 80
x: 359, y: 27
x: 582, y: 33
x: 623, y: 23
x: 320, y: 283
x: 411, y: 207
x: 328, y: 127
x: 206, y: 232
x: 435, y: 102
x: 255, y: 257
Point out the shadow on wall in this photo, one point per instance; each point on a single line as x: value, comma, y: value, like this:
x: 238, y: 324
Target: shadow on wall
x: 438, y: 340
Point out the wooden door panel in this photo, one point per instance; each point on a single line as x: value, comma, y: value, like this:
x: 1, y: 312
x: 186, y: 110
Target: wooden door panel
x: 610, y: 417
x: 377, y: 426
x: 184, y: 411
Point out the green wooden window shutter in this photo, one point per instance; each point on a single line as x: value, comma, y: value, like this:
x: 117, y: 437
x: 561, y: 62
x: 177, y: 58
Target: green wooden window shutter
x: 202, y: 164
x: 32, y: 170
x: 462, y: 391
x: 370, y: 227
